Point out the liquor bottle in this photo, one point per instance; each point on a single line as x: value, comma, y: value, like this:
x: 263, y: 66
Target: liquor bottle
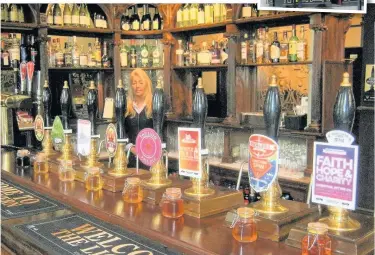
x: 50, y: 16
x: 201, y: 14
x: 156, y: 55
x: 133, y: 55
x: 252, y: 49
x: 90, y: 57
x: 123, y: 55
x: 186, y: 15
x: 21, y: 15
x: 266, y: 48
x: 98, y: 53
x: 223, y: 13
x: 23, y: 49
x: 156, y: 21
x: 193, y: 55
x: 284, y: 48
x: 4, y: 12
x: 275, y: 49
x: 180, y: 54
x: 216, y: 54
x: 125, y: 21
x: 57, y: 15
x: 187, y: 55
x: 67, y: 15
x: 68, y: 60
x: 135, y: 19
x: 51, y: 54
x: 75, y: 15
x: 193, y: 14
x: 5, y: 59
x: 208, y: 14
x: 244, y: 49
x: 204, y: 56
x: 259, y: 47
x: 292, y: 46
x: 83, y: 58
x: 179, y: 20
x: 302, y: 46
x: 146, y: 19
x: 59, y: 54
x: 217, y: 12
x: 14, y: 51
x: 106, y: 62
x: 88, y: 18
x: 13, y: 9
x: 144, y: 54
x: 75, y: 52
x: 82, y: 16
x: 247, y: 10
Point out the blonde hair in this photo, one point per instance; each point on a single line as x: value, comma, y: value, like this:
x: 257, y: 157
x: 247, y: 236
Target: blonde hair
x: 148, y: 94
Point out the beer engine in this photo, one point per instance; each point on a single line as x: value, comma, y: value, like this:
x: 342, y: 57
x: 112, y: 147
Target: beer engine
x: 201, y: 200
x: 47, y: 140
x: 65, y: 101
x: 350, y: 234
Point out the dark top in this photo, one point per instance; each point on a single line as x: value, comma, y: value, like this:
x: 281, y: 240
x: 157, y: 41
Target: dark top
x: 132, y: 127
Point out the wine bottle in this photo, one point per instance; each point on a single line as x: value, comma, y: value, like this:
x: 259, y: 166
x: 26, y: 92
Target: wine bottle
x: 67, y: 15
x: 90, y: 57
x: 217, y: 12
x: 57, y: 15
x: 146, y: 19
x: 284, y: 48
x: 179, y: 21
x: 156, y: 21
x: 75, y: 15
x: 75, y: 52
x: 275, y: 49
x: 83, y: 58
x: 51, y: 52
x: 98, y: 53
x: 208, y: 14
x: 13, y: 9
x: 82, y: 16
x: 156, y: 55
x: 266, y: 48
x: 252, y: 49
x: 4, y: 12
x: 105, y: 58
x: 144, y: 54
x: 223, y: 12
x: 59, y: 55
x: 201, y: 14
x: 186, y: 15
x: 125, y: 21
x: 133, y: 55
x: 302, y: 46
x: 68, y: 60
x: 180, y: 54
x: 244, y: 48
x: 88, y: 17
x: 193, y: 14
x: 21, y: 15
x: 135, y: 19
x: 292, y: 46
x: 14, y: 51
x: 123, y: 56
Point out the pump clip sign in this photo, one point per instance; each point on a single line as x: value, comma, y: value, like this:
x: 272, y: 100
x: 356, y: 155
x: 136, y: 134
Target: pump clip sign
x: 335, y: 174
x: 263, y: 162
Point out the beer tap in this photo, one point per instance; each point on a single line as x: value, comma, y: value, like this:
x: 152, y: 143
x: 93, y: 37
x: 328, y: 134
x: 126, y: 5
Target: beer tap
x: 47, y: 140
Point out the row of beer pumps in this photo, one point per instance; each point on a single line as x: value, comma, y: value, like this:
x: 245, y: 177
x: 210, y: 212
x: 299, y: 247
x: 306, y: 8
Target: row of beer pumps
x: 201, y: 200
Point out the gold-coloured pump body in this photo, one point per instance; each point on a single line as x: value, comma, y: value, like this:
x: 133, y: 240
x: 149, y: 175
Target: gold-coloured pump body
x: 67, y: 149
x: 270, y: 202
x: 339, y: 220
x: 47, y: 143
x: 120, y: 161
x: 158, y: 175
x: 92, y: 159
x: 200, y: 186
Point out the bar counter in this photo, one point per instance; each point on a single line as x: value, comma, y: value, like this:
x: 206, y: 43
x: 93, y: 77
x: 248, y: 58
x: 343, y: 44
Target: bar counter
x: 187, y: 235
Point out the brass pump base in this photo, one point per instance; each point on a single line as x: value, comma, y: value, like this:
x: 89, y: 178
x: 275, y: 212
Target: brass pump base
x: 200, y: 186
x: 120, y: 162
x: 67, y: 150
x: 270, y: 202
x: 47, y: 143
x: 339, y: 220
x: 92, y: 159
x: 158, y: 176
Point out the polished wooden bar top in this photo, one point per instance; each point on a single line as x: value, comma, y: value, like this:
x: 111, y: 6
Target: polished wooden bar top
x: 187, y: 234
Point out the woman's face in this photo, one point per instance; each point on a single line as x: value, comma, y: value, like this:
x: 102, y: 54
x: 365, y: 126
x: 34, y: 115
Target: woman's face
x: 138, y: 86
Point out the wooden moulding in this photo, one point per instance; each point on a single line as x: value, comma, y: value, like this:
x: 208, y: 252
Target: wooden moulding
x: 223, y: 200
x: 359, y: 242
x: 154, y: 195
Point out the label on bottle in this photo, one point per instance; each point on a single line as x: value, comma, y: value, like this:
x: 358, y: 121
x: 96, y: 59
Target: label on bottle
x: 67, y: 19
x: 83, y: 20
x: 243, y: 50
x: 146, y: 25
x: 292, y: 47
x: 14, y: 16
x: 59, y: 58
x: 133, y: 60
x: 155, y: 25
x: 246, y: 12
x: 135, y: 25
x: 301, y: 51
x: 50, y: 19
x: 75, y: 60
x: 68, y: 59
x: 283, y: 51
x: 58, y: 20
x: 123, y: 59
x: 75, y: 19
x: 5, y: 59
x: 201, y: 17
x: 125, y: 26
x: 275, y: 52
x: 259, y: 50
x: 15, y: 53
x: 144, y: 53
x: 83, y: 60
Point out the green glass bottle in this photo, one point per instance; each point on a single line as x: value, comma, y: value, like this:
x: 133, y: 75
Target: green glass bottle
x: 292, y: 45
x: 67, y: 15
x: 4, y: 12
x: 13, y: 13
x: 88, y: 18
x: 21, y: 15
x: 57, y: 15
x: 82, y: 16
x: 75, y: 15
x: 50, y: 15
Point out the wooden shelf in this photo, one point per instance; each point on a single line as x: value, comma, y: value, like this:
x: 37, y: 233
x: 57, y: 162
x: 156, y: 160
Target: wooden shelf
x: 277, y: 64
x: 207, y: 28
x: 143, y: 68
x: 143, y: 33
x: 200, y: 67
x: 80, y: 69
x: 277, y: 18
x: 78, y: 31
x: 15, y: 26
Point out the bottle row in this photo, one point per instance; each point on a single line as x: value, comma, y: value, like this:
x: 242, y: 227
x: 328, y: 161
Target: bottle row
x: 146, y: 54
x: 196, y: 14
x: 261, y: 50
x: 192, y: 55
x: 75, y: 55
x: 78, y: 16
x: 12, y: 13
x: 136, y: 20
x: 14, y: 51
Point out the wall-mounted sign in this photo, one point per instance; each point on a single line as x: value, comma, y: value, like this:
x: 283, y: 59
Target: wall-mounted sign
x: 369, y: 84
x: 39, y: 127
x: 57, y: 133
x: 335, y: 175
x: 83, y: 137
x: 111, y: 140
x: 263, y: 162
x: 189, y: 152
x: 148, y: 146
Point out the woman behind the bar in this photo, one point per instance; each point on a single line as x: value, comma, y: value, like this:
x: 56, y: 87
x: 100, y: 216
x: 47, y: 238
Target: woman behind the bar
x: 139, y: 111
